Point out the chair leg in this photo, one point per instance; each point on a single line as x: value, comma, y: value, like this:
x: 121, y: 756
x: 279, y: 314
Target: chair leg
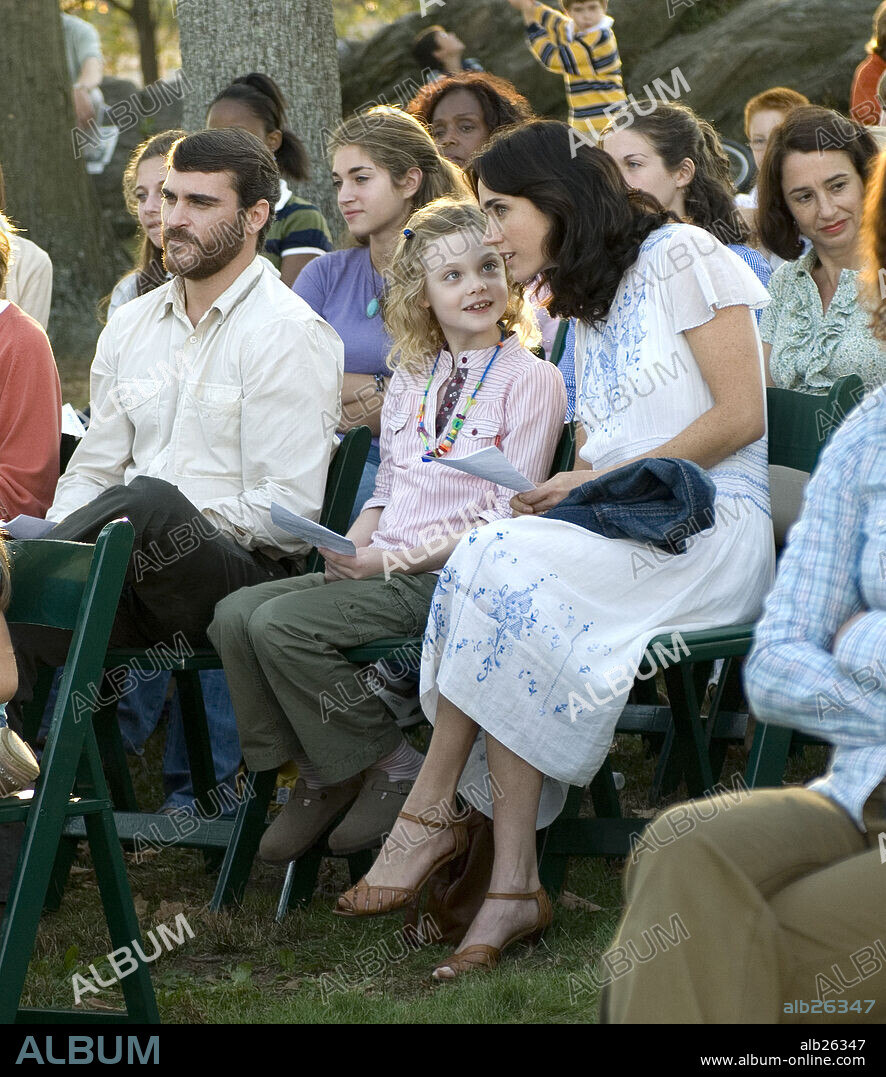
x: 249, y: 826
x: 552, y: 867
x: 689, y: 735
x: 113, y: 753
x: 197, y: 741
x: 768, y: 756
x: 301, y: 881
x: 604, y: 794
x: 61, y: 869
x: 359, y: 864
x: 123, y: 925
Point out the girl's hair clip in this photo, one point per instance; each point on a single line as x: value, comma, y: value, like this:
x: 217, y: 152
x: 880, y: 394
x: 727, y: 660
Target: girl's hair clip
x: 408, y: 233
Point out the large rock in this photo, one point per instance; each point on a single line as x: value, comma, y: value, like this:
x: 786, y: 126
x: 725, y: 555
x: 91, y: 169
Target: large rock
x: 727, y: 50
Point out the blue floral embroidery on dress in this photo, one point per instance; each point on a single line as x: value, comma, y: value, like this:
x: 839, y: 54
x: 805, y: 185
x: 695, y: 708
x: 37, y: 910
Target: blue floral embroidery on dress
x: 513, y: 612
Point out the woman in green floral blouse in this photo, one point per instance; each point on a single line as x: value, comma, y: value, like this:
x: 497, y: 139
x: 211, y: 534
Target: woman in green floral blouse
x: 812, y: 183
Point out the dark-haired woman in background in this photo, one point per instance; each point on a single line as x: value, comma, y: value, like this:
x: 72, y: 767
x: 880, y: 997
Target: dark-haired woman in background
x: 815, y: 330
x: 462, y: 111
x: 534, y: 627
x: 299, y: 232
x: 678, y: 158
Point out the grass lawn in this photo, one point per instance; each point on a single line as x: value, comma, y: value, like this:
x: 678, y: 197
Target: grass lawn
x: 242, y: 967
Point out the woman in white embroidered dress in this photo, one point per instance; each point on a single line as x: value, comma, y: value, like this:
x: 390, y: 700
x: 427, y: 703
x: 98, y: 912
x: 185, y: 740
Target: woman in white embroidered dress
x: 537, y: 625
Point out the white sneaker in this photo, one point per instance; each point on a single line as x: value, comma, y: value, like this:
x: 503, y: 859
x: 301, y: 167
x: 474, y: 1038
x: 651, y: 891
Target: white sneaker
x: 18, y: 764
x: 400, y: 696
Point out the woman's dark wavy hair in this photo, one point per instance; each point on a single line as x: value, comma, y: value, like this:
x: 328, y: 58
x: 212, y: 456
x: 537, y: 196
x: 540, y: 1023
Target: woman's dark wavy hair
x: 501, y: 103
x: 807, y: 129
x: 264, y: 99
x: 597, y: 222
x: 675, y: 132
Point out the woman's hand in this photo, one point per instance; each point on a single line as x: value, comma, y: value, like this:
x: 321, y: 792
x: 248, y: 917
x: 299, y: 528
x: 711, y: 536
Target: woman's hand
x: 550, y: 493
x: 368, y: 561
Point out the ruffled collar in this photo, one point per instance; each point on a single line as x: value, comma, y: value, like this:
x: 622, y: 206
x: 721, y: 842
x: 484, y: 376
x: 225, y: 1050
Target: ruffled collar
x: 816, y: 336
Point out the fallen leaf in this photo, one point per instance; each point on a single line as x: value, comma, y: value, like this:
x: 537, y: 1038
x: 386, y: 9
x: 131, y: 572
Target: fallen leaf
x: 141, y: 906
x: 573, y: 901
x: 168, y: 910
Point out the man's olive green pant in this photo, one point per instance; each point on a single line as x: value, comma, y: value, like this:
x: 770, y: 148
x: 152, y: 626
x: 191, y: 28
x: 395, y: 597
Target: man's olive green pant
x: 281, y: 645
x: 767, y: 910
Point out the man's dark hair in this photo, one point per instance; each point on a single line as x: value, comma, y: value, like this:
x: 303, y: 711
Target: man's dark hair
x: 807, y: 129
x: 597, y: 223
x: 424, y: 47
x: 228, y: 149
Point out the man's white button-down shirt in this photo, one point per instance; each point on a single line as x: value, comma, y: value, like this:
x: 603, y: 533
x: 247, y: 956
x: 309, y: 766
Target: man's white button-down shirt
x: 237, y: 411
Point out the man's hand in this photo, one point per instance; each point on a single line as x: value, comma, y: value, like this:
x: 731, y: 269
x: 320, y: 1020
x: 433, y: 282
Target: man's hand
x: 550, y: 493
x: 368, y: 561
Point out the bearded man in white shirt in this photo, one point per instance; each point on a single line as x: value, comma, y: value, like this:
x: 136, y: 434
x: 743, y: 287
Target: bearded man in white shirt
x: 211, y: 397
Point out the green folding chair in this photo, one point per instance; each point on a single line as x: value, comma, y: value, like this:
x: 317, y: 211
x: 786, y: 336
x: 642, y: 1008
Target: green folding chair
x: 559, y: 342
x: 213, y: 835
x: 799, y: 425
x: 72, y: 586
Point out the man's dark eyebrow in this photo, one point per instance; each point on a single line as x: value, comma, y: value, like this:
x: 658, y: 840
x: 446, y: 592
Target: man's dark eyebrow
x: 830, y: 179
x: 490, y: 203
x: 192, y: 196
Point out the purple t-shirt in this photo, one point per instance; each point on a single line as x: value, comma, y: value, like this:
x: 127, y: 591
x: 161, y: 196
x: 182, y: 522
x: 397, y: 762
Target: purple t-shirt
x: 339, y: 287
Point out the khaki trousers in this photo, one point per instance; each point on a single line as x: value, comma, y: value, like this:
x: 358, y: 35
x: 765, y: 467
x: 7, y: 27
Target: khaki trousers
x: 292, y: 689
x: 739, y: 911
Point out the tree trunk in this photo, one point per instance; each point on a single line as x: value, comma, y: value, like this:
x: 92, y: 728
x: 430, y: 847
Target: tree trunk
x: 142, y: 15
x: 294, y: 42
x: 48, y: 192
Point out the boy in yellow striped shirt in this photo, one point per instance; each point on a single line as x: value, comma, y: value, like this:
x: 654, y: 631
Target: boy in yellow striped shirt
x: 582, y: 48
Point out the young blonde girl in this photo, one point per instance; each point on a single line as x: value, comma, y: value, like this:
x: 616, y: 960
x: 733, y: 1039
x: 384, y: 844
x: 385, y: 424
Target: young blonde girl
x: 18, y: 764
x: 462, y: 381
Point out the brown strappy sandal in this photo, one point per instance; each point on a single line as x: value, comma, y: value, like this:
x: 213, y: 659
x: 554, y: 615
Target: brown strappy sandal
x: 483, y: 958
x: 365, y: 900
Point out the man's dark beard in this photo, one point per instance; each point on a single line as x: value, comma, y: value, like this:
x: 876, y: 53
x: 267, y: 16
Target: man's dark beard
x: 225, y: 243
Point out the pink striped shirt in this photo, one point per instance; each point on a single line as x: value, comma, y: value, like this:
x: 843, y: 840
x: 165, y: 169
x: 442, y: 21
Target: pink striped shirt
x: 519, y: 408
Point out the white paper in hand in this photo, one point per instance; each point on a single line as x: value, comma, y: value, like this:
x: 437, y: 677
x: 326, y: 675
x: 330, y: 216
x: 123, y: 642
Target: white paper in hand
x: 71, y: 422
x: 491, y: 464
x: 28, y: 527
x: 312, y: 533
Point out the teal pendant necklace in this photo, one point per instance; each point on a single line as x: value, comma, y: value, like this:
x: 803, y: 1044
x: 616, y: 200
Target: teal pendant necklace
x: 372, y: 307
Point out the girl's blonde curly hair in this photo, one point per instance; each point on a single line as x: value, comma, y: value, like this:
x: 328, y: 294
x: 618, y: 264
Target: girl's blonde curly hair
x: 413, y: 327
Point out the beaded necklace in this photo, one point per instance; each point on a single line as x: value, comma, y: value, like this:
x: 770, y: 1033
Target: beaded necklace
x: 459, y: 421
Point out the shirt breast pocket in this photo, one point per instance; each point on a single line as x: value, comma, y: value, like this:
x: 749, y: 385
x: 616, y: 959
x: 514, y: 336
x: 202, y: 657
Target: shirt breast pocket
x: 478, y: 433
x: 207, y: 441
x: 399, y: 429
x: 139, y: 400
